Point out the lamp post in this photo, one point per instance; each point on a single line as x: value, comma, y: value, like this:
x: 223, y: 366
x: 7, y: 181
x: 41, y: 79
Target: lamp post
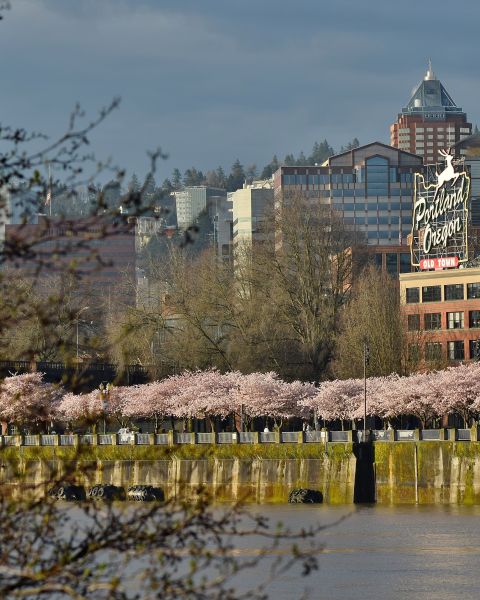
x: 77, y: 321
x: 104, y: 394
x: 366, y: 360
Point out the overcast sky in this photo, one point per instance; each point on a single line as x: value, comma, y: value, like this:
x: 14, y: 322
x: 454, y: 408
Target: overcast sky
x: 213, y: 80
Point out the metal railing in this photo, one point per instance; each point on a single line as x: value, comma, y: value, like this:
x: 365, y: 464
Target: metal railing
x: 142, y: 439
x: 269, y: 437
x: 316, y: 436
x: 67, y: 439
x: 432, y: 434
x: 105, y: 439
x: 48, y: 440
x: 184, y: 438
x: 290, y: 437
x: 226, y: 437
x: 381, y: 435
x: 30, y: 440
x: 464, y: 435
x: 87, y: 439
x: 402, y: 435
x: 340, y: 436
x: 244, y: 437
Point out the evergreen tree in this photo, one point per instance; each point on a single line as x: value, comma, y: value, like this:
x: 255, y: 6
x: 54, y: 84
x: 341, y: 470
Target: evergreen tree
x: 216, y: 179
x: 289, y: 160
x: 320, y: 153
x: 167, y: 186
x: 351, y: 145
x: 270, y: 168
x: 176, y: 179
x: 149, y: 186
x: 302, y: 160
x: 236, y: 179
x: 251, y: 173
x: 134, y: 184
x: 193, y: 177
x: 222, y: 178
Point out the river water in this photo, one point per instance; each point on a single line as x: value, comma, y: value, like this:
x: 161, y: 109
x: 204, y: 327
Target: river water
x: 385, y: 552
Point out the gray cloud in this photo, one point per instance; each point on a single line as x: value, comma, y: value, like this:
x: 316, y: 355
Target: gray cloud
x: 215, y: 80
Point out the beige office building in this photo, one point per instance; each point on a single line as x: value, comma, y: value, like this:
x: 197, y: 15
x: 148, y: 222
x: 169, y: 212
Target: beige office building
x: 249, y: 205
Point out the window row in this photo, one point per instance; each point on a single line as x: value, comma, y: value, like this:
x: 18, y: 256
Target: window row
x: 373, y: 176
x: 455, y: 350
x: 454, y: 320
x: 433, y: 293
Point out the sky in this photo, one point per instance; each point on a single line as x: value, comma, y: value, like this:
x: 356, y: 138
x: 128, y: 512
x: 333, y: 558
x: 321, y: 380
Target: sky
x: 210, y: 81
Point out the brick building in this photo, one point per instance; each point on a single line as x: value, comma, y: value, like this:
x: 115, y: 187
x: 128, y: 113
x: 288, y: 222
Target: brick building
x: 430, y: 122
x: 444, y: 307
x: 98, y: 253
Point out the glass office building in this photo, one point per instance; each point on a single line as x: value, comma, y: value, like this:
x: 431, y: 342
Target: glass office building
x: 372, y: 188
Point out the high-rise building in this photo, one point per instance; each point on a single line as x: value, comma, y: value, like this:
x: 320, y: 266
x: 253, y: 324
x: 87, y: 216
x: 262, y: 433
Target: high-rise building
x: 430, y: 122
x: 249, y: 206
x: 469, y: 151
x: 192, y: 201
x: 371, y: 187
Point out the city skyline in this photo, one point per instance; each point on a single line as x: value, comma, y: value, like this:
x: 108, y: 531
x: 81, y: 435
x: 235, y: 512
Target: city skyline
x: 212, y: 83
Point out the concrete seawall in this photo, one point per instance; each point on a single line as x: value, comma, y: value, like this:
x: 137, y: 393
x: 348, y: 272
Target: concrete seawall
x: 403, y: 472
x: 255, y: 479
x: 427, y: 473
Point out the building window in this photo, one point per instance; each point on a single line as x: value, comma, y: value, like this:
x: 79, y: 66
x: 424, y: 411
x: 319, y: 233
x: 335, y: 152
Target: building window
x: 474, y: 318
x: 456, y: 350
x: 392, y: 267
x: 474, y: 349
x: 473, y: 290
x: 377, y: 260
x: 413, y: 352
x: 432, y: 321
x: 455, y: 320
x: 377, y: 176
x: 433, y: 351
x: 405, y: 263
x: 454, y: 292
x: 413, y: 322
x: 431, y: 293
x: 413, y: 295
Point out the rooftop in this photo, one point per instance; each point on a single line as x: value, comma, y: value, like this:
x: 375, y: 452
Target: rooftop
x: 430, y: 99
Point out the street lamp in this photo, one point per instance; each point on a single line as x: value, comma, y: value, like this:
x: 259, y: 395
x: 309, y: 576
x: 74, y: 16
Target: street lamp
x: 104, y: 394
x: 366, y: 360
x: 78, y: 320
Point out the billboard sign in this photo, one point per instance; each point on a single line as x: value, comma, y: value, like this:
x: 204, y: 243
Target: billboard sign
x: 440, y: 217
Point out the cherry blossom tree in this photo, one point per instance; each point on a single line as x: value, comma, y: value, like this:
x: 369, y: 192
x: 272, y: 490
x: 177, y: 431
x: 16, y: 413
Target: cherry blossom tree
x: 338, y: 399
x: 81, y: 407
x: 460, y: 390
x: 265, y: 394
x: 204, y: 394
x: 152, y: 400
x: 27, y: 399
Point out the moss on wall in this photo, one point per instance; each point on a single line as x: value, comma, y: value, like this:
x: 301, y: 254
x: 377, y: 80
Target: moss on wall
x: 428, y: 472
x: 258, y: 473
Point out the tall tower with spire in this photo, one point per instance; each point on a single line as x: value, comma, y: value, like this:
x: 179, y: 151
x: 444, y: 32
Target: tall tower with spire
x: 430, y: 122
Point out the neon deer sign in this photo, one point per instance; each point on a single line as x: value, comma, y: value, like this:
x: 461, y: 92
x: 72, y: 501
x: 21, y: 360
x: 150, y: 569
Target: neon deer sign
x: 447, y: 174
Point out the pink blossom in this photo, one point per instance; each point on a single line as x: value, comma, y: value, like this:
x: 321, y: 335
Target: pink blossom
x: 27, y: 399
